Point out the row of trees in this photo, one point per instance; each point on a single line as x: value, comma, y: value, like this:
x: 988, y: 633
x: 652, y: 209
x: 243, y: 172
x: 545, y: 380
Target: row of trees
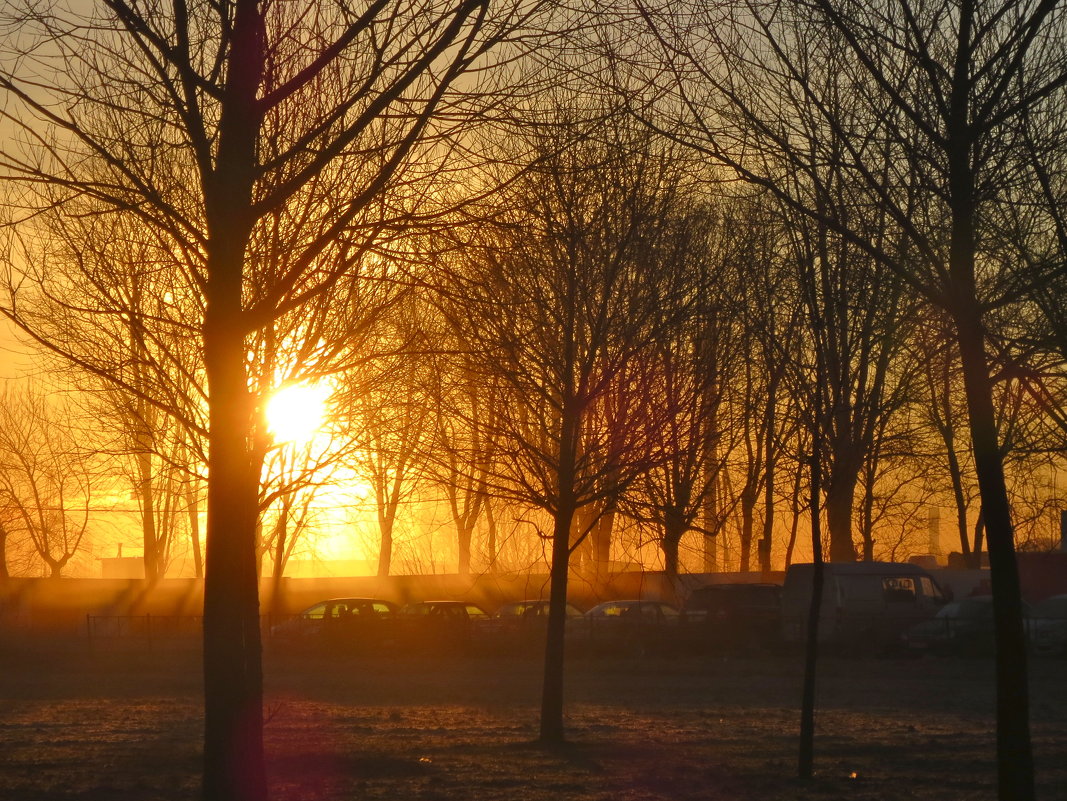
x: 716, y: 456
x: 643, y: 287
x: 611, y: 271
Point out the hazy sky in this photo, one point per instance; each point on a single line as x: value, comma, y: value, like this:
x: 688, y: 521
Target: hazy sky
x: 15, y: 358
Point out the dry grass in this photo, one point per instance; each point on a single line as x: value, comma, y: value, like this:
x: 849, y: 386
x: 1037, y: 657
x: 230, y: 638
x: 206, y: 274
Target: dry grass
x: 97, y: 727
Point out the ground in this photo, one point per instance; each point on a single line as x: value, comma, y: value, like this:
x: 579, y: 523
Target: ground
x: 126, y: 724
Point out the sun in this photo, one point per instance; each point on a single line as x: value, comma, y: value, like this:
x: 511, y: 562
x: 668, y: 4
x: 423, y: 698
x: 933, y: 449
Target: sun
x: 295, y: 413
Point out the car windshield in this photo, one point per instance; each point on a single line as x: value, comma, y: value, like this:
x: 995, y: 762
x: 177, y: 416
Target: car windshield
x: 610, y: 610
x: 518, y: 609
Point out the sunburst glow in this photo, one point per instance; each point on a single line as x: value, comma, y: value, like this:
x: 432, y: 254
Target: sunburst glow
x: 295, y: 413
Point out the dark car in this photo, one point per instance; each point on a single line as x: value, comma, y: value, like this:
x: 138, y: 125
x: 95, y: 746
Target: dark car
x: 362, y: 622
x: 1048, y: 626
x: 963, y: 627
x: 444, y: 610
x: 520, y: 623
x: 519, y: 612
x: 733, y: 616
x: 438, y: 625
x: 626, y: 626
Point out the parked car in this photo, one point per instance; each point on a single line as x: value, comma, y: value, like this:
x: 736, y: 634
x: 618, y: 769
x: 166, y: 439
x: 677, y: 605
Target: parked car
x: 1048, y: 626
x: 519, y: 614
x: 444, y: 610
x: 340, y: 621
x: 865, y: 605
x: 627, y: 626
x: 963, y: 627
x: 733, y: 616
x: 438, y: 625
x: 518, y: 626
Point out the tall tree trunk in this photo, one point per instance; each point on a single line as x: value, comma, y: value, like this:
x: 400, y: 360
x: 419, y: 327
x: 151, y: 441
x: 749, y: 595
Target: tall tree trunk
x: 385, y: 553
x: 581, y: 558
x: 806, y: 750
x: 491, y: 538
x: 4, y: 573
x: 281, y: 538
x: 674, y: 529
x: 465, y: 536
x: 552, y: 687
x: 764, y: 546
x: 794, y: 524
x: 234, y: 768
x: 748, y: 513
x: 959, y: 499
x: 974, y: 558
x: 601, y: 544
x: 710, y: 505
x: 840, y: 501
x: 552, y: 690
x: 146, y: 493
x: 1014, y: 754
x: 194, y: 528
x: 1015, y: 767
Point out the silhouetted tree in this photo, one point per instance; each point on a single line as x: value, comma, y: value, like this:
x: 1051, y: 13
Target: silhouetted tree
x: 48, y: 476
x: 561, y: 302
x: 257, y: 143
x: 944, y: 91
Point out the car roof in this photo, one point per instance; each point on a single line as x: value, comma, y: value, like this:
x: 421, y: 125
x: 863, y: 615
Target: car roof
x: 353, y: 600
x: 861, y: 568
x: 736, y: 586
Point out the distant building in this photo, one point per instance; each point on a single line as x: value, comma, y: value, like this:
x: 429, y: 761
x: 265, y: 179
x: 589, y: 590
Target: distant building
x: 122, y: 567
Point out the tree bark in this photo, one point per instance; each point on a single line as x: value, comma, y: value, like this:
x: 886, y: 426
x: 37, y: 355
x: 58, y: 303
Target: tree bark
x: 148, y: 512
x: 4, y: 573
x: 563, y: 519
x: 840, y: 502
x: 234, y: 768
x: 1015, y: 769
x: 1015, y: 774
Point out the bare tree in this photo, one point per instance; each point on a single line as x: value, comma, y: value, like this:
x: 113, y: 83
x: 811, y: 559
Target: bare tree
x: 48, y: 479
x: 725, y: 244
x: 459, y: 454
x: 771, y: 328
x: 561, y: 302
x: 392, y: 421
x: 944, y: 413
x: 207, y: 124
x: 945, y: 91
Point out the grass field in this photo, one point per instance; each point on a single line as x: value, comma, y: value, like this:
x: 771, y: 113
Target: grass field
x: 127, y: 725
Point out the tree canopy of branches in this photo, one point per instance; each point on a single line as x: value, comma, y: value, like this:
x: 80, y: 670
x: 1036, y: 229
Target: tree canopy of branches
x: 562, y: 299
x: 923, y: 105
x: 48, y: 479
x: 261, y: 152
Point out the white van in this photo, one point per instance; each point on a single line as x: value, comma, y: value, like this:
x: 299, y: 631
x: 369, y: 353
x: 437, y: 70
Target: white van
x: 863, y: 603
